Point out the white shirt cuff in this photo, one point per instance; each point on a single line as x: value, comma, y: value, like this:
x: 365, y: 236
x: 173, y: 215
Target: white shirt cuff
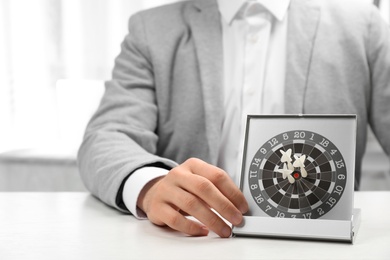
x: 135, y: 183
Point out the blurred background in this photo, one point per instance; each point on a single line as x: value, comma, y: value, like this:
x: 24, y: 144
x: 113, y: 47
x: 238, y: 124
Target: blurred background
x: 54, y: 58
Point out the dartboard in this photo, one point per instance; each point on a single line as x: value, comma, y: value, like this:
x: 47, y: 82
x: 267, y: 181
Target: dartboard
x: 297, y: 174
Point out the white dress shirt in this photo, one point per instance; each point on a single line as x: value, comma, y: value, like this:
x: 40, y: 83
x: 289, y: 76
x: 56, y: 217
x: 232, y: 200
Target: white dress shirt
x: 254, y: 44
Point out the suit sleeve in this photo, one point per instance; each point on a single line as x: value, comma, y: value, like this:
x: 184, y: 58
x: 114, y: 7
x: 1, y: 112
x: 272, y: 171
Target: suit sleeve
x: 121, y: 136
x: 379, y: 61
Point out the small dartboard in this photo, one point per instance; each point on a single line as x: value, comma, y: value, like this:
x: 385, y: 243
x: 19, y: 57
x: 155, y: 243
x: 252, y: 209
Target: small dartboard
x: 297, y: 174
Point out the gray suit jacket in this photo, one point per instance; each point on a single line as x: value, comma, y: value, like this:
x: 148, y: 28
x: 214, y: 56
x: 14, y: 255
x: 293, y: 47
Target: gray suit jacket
x: 164, y: 102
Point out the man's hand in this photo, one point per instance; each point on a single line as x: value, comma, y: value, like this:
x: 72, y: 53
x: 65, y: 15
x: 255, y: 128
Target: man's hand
x: 193, y: 188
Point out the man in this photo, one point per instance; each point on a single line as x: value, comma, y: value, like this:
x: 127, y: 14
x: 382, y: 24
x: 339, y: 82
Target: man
x: 188, y: 74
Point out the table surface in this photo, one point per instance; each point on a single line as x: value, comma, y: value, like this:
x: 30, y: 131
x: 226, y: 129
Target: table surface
x: 75, y: 225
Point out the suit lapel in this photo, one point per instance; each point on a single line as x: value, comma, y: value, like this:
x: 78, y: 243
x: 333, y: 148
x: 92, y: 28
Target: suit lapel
x: 303, y: 22
x: 206, y: 30
x: 205, y: 26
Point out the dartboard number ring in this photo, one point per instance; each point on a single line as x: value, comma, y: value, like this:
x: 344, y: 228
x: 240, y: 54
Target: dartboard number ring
x: 297, y: 174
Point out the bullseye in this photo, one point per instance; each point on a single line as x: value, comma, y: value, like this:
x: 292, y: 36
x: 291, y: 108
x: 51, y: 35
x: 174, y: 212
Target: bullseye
x: 296, y: 175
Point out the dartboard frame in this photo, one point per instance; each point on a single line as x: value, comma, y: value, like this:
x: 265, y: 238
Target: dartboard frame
x: 298, y: 169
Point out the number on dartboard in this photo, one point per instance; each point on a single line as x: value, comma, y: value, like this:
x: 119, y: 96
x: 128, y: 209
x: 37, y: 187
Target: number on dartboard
x: 259, y: 199
x: 273, y: 142
x: 331, y: 201
x: 299, y: 177
x: 252, y: 174
x: 300, y: 135
x: 256, y: 162
x: 340, y: 164
x: 338, y: 189
x: 324, y: 142
x: 341, y: 177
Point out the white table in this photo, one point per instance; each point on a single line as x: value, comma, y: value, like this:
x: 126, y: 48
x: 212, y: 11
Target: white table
x: 78, y: 226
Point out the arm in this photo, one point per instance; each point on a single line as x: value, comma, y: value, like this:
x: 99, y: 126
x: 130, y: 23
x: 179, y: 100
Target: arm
x: 133, y: 186
x: 121, y: 138
x: 378, y: 54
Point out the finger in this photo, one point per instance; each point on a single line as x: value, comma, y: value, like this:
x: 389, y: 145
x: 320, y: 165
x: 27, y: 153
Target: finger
x: 221, y: 180
x: 177, y: 221
x: 181, y: 200
x: 201, y: 211
x: 207, y: 196
x: 166, y: 205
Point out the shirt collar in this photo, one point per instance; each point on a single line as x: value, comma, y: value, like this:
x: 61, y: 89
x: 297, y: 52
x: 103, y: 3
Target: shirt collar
x: 230, y: 8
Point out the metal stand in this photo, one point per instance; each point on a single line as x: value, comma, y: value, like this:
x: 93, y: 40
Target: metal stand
x: 316, y: 229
